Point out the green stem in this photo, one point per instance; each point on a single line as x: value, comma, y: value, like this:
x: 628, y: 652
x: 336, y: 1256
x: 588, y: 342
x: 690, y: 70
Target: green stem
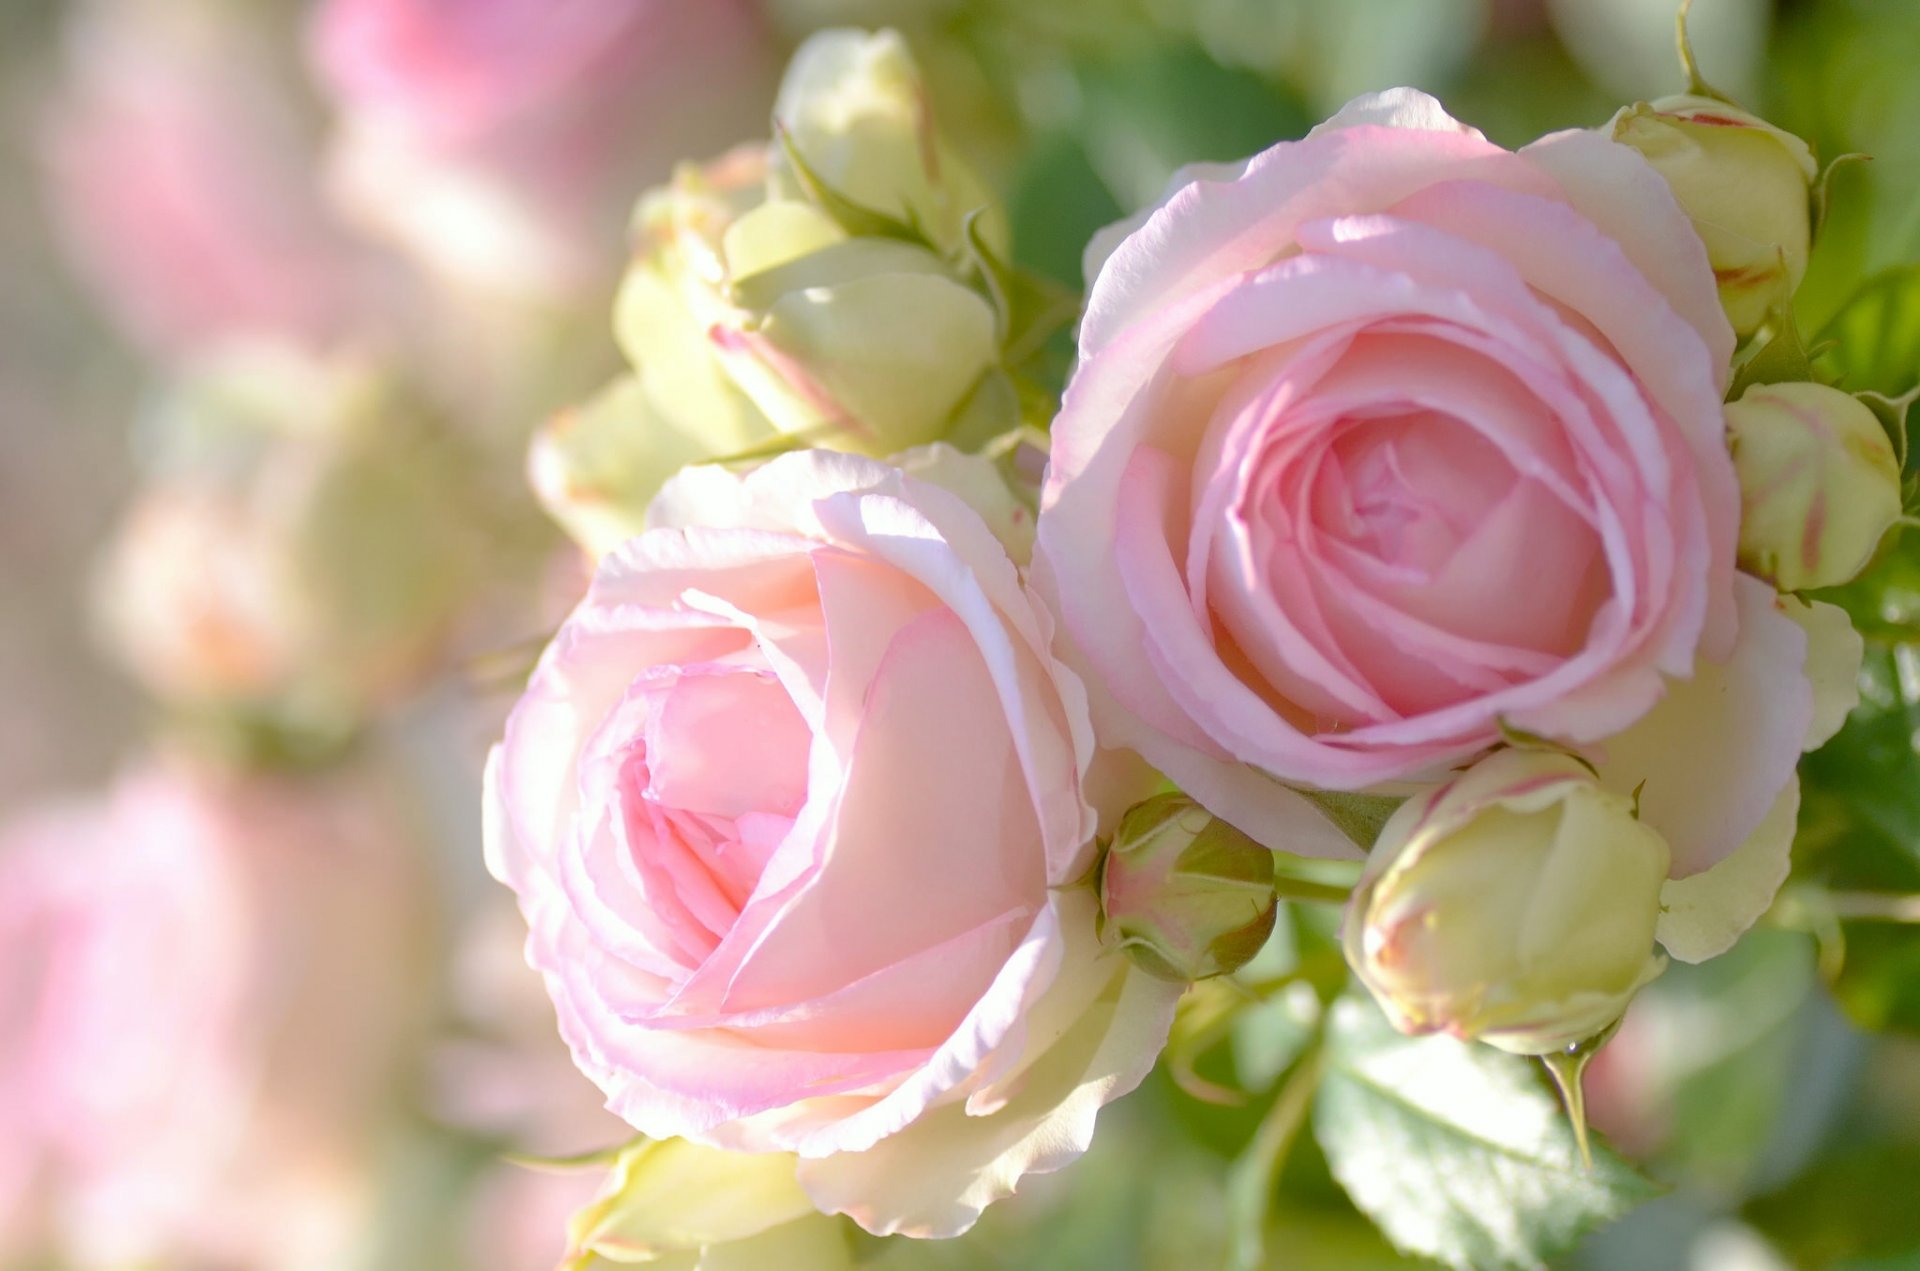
x: 1873, y: 906
x: 1301, y: 889
x: 1250, y: 1185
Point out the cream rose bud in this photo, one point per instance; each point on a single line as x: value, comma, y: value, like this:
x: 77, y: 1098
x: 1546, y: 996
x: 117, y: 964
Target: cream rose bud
x: 1745, y: 185
x: 854, y: 106
x: 1819, y: 483
x: 760, y: 310
x: 1184, y: 893
x: 863, y: 344
x: 1515, y: 905
x: 671, y: 1201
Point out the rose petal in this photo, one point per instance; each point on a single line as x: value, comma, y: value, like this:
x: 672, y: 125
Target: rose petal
x: 1701, y: 916
x: 1717, y: 751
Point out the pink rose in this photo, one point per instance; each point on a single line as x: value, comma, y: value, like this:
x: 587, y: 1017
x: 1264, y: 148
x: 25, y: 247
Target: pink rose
x: 786, y: 804
x: 1388, y: 439
x: 206, y: 987
x: 181, y: 179
x: 505, y: 140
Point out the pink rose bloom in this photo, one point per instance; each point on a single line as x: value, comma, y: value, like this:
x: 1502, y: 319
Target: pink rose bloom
x: 181, y: 179
x: 205, y: 986
x: 1388, y: 439
x: 505, y: 140
x: 786, y: 805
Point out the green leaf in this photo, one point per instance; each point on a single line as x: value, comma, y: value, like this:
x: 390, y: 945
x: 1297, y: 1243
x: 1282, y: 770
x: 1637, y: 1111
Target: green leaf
x: 1872, y: 347
x: 1876, y: 335
x: 1748, y: 1018
x: 1358, y: 816
x: 1840, y: 1210
x: 1030, y: 308
x: 856, y: 218
x: 1783, y: 359
x: 1860, y: 832
x: 1457, y: 1150
x: 1056, y: 202
x: 1147, y: 114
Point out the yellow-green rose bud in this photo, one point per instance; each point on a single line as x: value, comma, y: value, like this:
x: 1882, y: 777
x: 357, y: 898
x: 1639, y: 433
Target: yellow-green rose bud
x: 762, y: 309
x: 1184, y: 893
x: 1515, y: 905
x: 863, y: 344
x: 595, y: 466
x: 1819, y: 483
x: 1746, y: 186
x: 855, y: 107
x: 678, y: 1204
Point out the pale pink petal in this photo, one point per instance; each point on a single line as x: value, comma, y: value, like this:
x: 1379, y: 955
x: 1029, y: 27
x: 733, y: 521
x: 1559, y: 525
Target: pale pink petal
x: 935, y: 828
x: 1618, y: 190
x: 935, y: 1176
x: 1702, y: 915
x: 1211, y: 231
x: 1396, y: 108
x: 1834, y: 651
x: 1718, y: 749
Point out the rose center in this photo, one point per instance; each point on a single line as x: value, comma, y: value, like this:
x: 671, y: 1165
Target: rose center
x: 708, y: 787
x: 1408, y: 490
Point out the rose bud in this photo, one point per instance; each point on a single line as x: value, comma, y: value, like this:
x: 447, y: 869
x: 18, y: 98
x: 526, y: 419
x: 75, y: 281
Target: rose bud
x: 681, y: 1203
x: 1184, y: 893
x: 854, y: 109
x: 796, y: 293
x: 1819, y: 483
x: 299, y: 546
x: 1515, y: 905
x: 1745, y: 185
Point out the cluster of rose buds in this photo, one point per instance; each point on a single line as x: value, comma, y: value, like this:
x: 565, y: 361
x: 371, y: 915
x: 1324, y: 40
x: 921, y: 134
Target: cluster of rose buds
x: 758, y: 315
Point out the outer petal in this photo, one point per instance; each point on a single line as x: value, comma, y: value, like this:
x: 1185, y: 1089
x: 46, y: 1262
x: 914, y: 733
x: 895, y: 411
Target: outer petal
x: 1209, y: 231
x: 1618, y: 190
x: 1716, y: 752
x: 934, y: 1178
x: 671, y: 1195
x: 1104, y: 241
x: 808, y: 1244
x: 1701, y: 916
x: 1396, y: 108
x: 1834, y: 650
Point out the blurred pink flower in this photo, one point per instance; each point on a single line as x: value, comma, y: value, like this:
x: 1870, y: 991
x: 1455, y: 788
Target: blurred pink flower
x: 504, y: 141
x: 514, y: 1080
x: 183, y: 182
x: 206, y: 984
x: 302, y: 545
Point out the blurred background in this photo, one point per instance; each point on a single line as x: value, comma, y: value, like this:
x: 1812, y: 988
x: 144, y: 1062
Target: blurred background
x: 285, y: 288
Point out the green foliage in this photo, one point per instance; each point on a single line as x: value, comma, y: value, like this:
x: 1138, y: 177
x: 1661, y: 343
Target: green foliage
x: 1873, y: 343
x: 1841, y: 1211
x: 1139, y: 116
x: 1860, y: 835
x: 1746, y: 1017
x: 1358, y: 816
x: 1456, y: 1150
x: 856, y: 218
x: 1783, y: 359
